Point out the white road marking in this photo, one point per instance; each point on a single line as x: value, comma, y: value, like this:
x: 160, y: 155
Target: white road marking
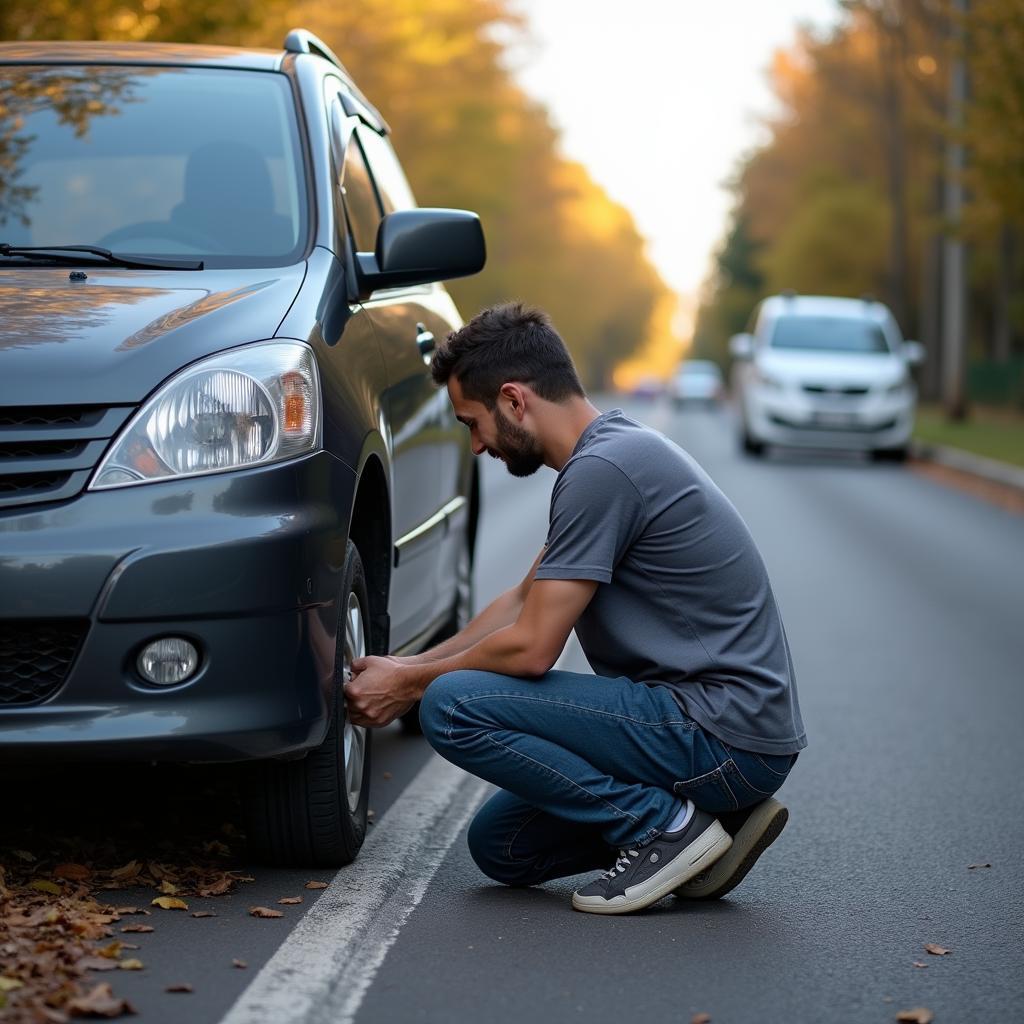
x: 324, y: 968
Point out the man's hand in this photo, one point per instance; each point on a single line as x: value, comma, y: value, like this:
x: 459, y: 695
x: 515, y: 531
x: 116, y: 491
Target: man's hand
x: 380, y: 690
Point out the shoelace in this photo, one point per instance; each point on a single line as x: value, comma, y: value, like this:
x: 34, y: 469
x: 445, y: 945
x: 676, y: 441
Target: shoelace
x: 621, y: 863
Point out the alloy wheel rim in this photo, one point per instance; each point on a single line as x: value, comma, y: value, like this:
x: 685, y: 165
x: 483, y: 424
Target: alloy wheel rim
x: 355, y: 735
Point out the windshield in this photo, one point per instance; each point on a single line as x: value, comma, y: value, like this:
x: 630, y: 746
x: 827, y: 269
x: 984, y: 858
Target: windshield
x: 828, y: 334
x: 152, y: 161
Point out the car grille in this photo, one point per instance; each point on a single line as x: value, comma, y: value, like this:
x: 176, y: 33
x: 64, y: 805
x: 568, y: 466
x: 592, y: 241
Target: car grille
x: 35, y: 657
x: 851, y: 391
x: 48, y: 452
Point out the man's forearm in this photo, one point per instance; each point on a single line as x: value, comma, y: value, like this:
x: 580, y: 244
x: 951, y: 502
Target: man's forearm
x: 508, y: 650
x: 501, y: 612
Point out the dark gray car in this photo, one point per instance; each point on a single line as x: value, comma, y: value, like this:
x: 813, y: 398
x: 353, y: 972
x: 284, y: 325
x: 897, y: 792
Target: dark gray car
x: 224, y: 471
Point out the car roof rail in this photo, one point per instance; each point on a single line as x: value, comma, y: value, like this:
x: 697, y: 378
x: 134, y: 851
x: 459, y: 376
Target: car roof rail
x: 301, y: 40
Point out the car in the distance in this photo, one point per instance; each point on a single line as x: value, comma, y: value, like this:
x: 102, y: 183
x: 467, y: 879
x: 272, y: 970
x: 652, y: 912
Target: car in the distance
x: 825, y: 372
x: 697, y: 381
x: 225, y: 472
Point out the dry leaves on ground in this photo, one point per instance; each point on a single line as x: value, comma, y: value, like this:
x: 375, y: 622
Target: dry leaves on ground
x: 917, y: 963
x: 99, y: 1002
x: 701, y: 1018
x: 241, y: 964
x: 181, y: 986
x: 290, y: 901
x: 918, y: 1015
x: 56, y: 927
x: 974, y: 867
x: 265, y: 912
x: 316, y: 885
x: 931, y: 947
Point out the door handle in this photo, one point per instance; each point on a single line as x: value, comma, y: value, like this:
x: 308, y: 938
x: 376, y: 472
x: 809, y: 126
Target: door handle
x: 424, y: 342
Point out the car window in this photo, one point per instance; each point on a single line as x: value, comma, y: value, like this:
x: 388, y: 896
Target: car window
x: 153, y: 161
x: 361, y: 205
x: 392, y: 185
x: 828, y: 334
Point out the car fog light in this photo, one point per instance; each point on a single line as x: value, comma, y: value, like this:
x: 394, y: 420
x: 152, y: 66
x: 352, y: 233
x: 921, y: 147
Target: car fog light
x: 168, y: 661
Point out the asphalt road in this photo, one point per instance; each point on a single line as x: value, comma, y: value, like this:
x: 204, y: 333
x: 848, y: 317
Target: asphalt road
x: 903, y: 602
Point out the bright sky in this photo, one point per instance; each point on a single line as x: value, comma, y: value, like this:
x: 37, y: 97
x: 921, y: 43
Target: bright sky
x: 658, y: 98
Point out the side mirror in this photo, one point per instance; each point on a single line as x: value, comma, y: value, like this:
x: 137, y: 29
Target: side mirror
x: 913, y: 352
x: 422, y: 246
x: 741, y: 346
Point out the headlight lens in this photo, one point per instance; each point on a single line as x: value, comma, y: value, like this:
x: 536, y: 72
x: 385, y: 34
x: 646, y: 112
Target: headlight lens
x: 767, y: 380
x: 238, y: 409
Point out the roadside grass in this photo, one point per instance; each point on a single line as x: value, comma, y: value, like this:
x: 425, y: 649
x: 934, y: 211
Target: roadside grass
x: 993, y: 433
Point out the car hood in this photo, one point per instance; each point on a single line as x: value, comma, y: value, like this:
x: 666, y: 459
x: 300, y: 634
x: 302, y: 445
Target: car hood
x: 112, y: 338
x: 872, y: 369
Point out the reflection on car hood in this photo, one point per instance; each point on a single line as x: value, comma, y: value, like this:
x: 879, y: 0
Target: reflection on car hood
x: 873, y: 368
x: 112, y: 338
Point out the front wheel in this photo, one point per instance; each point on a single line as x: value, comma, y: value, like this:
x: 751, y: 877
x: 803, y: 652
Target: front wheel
x: 312, y: 812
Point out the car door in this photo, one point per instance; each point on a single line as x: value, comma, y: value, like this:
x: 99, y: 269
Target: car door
x: 429, y: 310
x: 412, y: 406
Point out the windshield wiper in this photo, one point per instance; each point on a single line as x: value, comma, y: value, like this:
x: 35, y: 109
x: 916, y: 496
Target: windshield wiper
x: 56, y: 253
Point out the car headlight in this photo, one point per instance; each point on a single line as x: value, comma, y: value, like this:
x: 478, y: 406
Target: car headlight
x: 252, y: 405
x: 767, y: 380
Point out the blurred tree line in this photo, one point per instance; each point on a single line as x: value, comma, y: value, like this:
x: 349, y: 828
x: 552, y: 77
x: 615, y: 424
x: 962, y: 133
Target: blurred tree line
x: 467, y: 135
x: 846, y: 195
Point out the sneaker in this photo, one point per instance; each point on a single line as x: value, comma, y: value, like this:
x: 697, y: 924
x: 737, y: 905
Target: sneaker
x: 753, y: 830
x: 642, y: 875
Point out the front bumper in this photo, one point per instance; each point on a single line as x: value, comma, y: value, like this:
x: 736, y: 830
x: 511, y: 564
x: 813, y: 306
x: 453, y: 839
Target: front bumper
x: 789, y: 418
x: 247, y: 565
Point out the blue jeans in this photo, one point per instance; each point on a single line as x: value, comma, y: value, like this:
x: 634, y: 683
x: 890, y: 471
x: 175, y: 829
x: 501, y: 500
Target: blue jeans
x: 585, y: 764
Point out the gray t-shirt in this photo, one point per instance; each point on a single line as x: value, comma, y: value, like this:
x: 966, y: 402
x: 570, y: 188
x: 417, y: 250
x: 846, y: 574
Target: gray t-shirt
x: 683, y: 597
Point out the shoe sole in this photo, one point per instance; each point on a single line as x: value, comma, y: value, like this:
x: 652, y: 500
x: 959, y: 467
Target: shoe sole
x: 700, y: 854
x: 759, y: 831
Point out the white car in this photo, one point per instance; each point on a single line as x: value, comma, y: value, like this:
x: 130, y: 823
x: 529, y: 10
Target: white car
x: 825, y: 372
x: 697, y: 380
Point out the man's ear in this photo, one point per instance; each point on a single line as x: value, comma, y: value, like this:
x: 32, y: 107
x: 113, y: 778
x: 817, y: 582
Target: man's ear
x: 515, y: 395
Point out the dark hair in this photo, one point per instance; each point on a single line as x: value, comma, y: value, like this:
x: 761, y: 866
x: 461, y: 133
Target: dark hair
x: 511, y: 342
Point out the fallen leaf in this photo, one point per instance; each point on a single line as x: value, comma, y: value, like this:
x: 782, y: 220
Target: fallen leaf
x: 99, y: 1002
x: 239, y: 963
x: 918, y: 1015
x: 316, y: 885
x: 10, y: 984
x: 203, y: 913
x: 129, y: 870
x: 169, y: 888
x: 181, y: 986
x: 371, y: 813
x: 24, y: 855
x: 112, y: 950
x: 264, y: 912
x: 935, y: 950
x: 169, y: 903
x: 218, y: 888
x: 139, y: 928
x: 97, y: 963
x: 44, y: 885
x: 124, y: 911
x: 387, y: 775
x: 72, y: 872
x: 290, y: 901
x: 131, y: 964
x: 701, y: 1018
x: 917, y: 963
x: 972, y: 867
x: 217, y: 847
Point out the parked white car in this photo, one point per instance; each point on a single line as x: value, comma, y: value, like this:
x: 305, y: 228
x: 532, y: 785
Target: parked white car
x: 697, y: 380
x: 825, y: 372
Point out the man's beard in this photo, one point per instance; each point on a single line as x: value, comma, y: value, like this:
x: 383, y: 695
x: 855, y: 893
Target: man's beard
x: 518, y: 447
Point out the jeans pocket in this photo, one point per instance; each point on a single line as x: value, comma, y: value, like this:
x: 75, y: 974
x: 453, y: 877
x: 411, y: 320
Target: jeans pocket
x: 710, y: 792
